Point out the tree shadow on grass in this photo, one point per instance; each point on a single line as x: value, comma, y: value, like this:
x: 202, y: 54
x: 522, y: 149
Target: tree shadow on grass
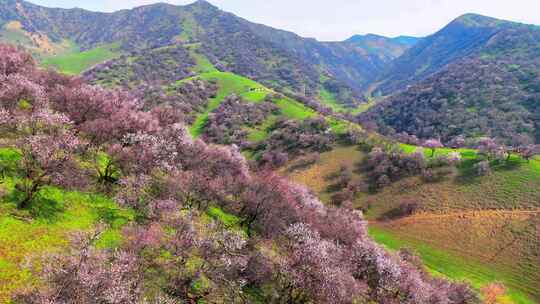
x: 335, y: 187
x: 510, y: 165
x: 468, y: 175
x: 300, y: 166
x: 43, y: 207
x: 390, y: 215
x: 112, y: 216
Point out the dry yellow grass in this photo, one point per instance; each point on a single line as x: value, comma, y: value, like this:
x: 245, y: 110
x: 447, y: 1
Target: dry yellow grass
x: 13, y: 25
x: 488, y: 227
x: 517, y: 189
x: 507, y: 241
x: 37, y: 42
x: 315, y: 177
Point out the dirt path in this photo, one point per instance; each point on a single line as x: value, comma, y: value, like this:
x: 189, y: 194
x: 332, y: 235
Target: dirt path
x: 462, y: 215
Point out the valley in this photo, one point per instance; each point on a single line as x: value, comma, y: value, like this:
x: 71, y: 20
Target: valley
x: 433, y: 140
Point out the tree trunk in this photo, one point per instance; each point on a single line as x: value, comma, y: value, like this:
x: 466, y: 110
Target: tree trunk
x: 29, y: 195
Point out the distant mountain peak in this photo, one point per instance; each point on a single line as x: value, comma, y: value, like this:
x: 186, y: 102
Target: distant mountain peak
x: 372, y: 37
x: 477, y: 20
x: 203, y: 4
x: 369, y: 36
x: 387, y: 49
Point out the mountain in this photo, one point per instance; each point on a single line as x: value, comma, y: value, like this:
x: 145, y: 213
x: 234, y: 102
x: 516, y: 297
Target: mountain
x: 387, y: 49
x: 280, y: 59
x: 483, y: 82
x: 466, y: 35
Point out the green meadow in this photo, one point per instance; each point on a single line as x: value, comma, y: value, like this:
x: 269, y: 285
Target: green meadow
x: 75, y: 62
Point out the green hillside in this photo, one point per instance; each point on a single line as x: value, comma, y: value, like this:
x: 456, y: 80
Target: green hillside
x: 77, y: 61
x: 46, y: 225
x: 478, y: 229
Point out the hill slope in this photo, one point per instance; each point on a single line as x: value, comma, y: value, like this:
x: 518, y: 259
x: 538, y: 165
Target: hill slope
x: 387, y: 49
x: 494, y: 91
x: 481, y: 229
x: 276, y: 58
x: 466, y: 35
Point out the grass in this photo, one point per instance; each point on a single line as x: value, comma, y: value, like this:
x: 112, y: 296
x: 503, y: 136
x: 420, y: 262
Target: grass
x: 228, y: 83
x: 14, y: 35
x: 229, y: 220
x: 443, y: 263
x: 249, y: 90
x: 465, y: 153
x: 39, y: 45
x: 330, y: 100
x: 188, y: 29
x: 260, y: 133
x: 202, y: 64
x: 461, y: 234
x: 48, y: 231
x: 293, y: 109
x: 316, y: 177
x: 364, y: 107
x: 484, y: 221
x: 290, y: 109
x: 511, y: 186
x: 75, y: 62
x: 45, y: 227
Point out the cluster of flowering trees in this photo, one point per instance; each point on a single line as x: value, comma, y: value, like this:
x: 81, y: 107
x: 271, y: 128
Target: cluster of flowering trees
x: 292, y: 138
x: 386, y: 164
x: 283, y: 238
x: 226, y: 124
x: 186, y: 99
x: 494, y: 152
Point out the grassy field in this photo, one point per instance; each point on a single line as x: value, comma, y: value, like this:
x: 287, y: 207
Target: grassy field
x: 470, y: 228
x: 249, y: 90
x: 202, y: 64
x: 46, y: 226
x: 318, y: 176
x: 491, y: 223
x: 228, y: 83
x: 458, y: 266
x: 76, y: 62
x: 330, y: 100
x: 512, y: 186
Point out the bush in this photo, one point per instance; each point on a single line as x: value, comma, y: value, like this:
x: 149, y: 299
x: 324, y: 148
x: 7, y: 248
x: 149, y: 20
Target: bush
x: 483, y: 168
x: 298, y: 137
x: 226, y: 124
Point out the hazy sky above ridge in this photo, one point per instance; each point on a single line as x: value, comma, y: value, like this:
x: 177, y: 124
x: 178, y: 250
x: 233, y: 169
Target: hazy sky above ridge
x: 340, y: 19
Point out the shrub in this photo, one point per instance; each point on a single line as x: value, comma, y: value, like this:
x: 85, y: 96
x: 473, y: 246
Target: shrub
x: 483, y: 168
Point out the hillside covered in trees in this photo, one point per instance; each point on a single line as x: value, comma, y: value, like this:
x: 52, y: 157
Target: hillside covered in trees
x: 493, y: 92
x: 276, y: 58
x: 192, y: 221
x: 182, y: 154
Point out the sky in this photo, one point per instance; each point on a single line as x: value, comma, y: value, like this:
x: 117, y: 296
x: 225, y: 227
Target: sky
x: 334, y: 20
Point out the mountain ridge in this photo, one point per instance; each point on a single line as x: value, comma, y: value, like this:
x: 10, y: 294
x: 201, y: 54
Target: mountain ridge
x: 387, y: 49
x: 490, y: 90
x: 302, y: 61
x: 465, y: 35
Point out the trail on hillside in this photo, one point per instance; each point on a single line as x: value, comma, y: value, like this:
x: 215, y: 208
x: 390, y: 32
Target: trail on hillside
x: 461, y: 215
